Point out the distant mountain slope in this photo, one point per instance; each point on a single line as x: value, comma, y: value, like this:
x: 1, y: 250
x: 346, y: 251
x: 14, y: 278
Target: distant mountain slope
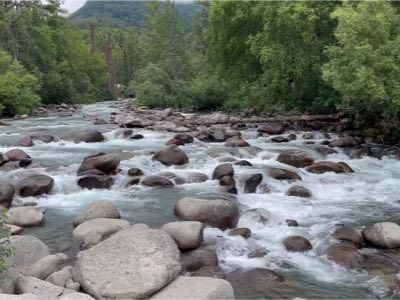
x: 124, y: 13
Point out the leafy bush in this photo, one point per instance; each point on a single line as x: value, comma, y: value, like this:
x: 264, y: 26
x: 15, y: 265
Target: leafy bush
x: 5, y: 250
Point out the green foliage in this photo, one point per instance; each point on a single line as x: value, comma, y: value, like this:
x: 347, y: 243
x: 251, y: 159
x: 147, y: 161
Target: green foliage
x: 17, y: 87
x: 5, y: 250
x: 42, y: 41
x: 364, y: 65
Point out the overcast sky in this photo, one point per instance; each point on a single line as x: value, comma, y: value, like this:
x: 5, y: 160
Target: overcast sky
x: 73, y: 5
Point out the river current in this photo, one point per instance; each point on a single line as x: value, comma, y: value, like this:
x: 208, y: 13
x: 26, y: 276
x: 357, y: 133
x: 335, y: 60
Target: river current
x: 370, y: 194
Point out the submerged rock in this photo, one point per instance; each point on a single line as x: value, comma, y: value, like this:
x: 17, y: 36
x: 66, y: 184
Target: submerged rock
x: 35, y: 185
x: 196, y: 288
x: 217, y: 213
x: 134, y: 263
x: 243, y: 232
x: 209, y: 271
x: 345, y: 255
x: 98, y: 209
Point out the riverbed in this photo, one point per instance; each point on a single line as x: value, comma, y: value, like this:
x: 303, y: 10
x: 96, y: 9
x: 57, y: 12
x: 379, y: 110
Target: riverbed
x: 369, y: 195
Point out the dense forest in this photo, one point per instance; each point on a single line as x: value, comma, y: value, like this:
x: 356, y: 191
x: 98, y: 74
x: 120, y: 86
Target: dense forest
x: 273, y: 57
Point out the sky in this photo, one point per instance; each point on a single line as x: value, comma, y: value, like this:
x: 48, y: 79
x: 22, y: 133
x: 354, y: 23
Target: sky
x: 73, y: 5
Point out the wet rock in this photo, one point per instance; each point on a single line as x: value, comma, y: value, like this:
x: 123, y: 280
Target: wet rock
x: 384, y: 235
x: 16, y: 155
x: 136, y: 136
x: 175, y: 142
x: 35, y: 185
x: 96, y: 182
x: 106, y: 163
x: 217, y: 136
x: 360, y: 152
x: 347, y: 141
x: 223, y: 170
x: 291, y: 223
x: 299, y: 191
x: 243, y: 232
x: 345, y: 255
x: 196, y: 288
x: 242, y: 163
x: 23, y: 163
x: 25, y: 141
x: 44, y: 138
x: 27, y: 250
x: 195, y: 177
x: 257, y: 252
x: 92, y: 232
x: 45, y: 266
x: 296, y: 158
x: 25, y: 216
x: 199, y: 258
x: 124, y: 133
x: 292, y: 137
x: 133, y: 181
x: 349, y: 234
x: 184, y: 138
x: 84, y: 136
x: 279, y: 139
x: 171, y: 155
x: 135, y: 172
x: 258, y: 280
x: 325, y: 150
x: 329, y: 166
x: 91, y: 172
x: 9, y: 166
x: 259, y: 215
x: 216, y: 213
x: 272, y: 128
x: 227, y: 181
x: 236, y: 142
x: 188, y: 235
x: 283, y: 174
x: 157, y: 181
x: 134, y: 263
x: 252, y: 182
x: 209, y: 271
x: 297, y: 243
x: 7, y: 192
x: 98, y: 209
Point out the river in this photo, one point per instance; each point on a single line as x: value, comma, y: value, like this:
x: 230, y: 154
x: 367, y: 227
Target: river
x: 369, y: 195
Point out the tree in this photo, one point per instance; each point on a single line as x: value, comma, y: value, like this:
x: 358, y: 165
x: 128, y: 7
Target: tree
x: 17, y: 87
x: 364, y: 65
x: 290, y: 48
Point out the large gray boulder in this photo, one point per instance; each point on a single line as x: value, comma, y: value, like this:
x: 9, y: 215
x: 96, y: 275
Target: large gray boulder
x: 27, y: 251
x: 345, y: 255
x: 349, y: 234
x: 92, y: 232
x: 16, y: 155
x: 196, y: 288
x: 283, y: 174
x: 171, y: 155
x: 295, y: 158
x: 216, y: 213
x: 35, y: 185
x: 25, y: 216
x: 384, y: 234
x: 134, y: 263
x: 60, y: 278
x: 199, y: 258
x: 7, y: 192
x: 106, y: 163
x: 296, y: 243
x: 187, y: 235
x: 98, y: 209
x: 272, y: 128
x: 45, y: 266
x: 223, y: 170
x: 27, y: 296
x: 84, y: 136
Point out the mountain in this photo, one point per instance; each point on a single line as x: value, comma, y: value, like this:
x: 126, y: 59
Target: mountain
x: 124, y: 13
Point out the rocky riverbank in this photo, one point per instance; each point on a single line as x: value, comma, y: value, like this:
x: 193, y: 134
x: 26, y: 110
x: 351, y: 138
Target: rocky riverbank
x: 181, y: 259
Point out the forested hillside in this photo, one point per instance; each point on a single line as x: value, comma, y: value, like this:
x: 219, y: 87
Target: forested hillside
x: 124, y: 13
